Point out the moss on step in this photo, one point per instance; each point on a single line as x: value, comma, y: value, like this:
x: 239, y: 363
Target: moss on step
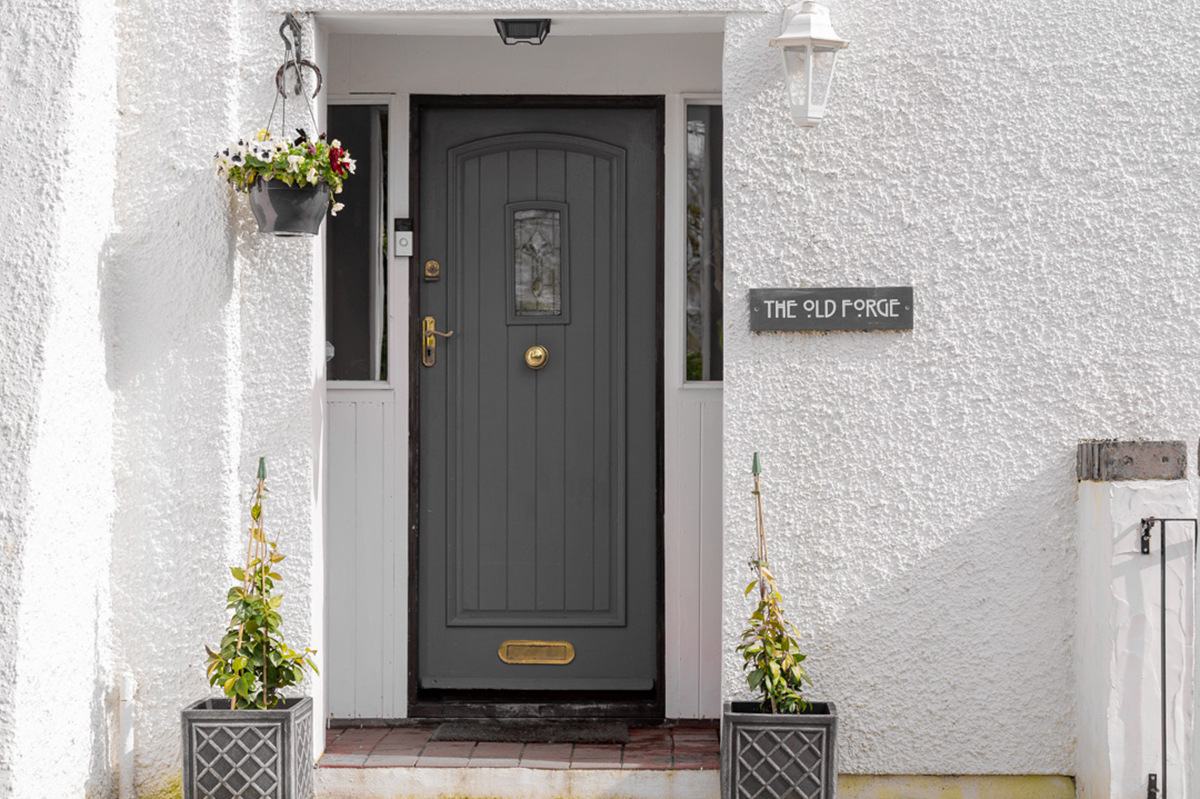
x: 171, y: 788
x: 1004, y: 786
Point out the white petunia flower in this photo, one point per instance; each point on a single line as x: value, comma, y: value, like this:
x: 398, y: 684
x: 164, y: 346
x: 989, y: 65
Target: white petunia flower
x: 311, y: 177
x: 350, y: 163
x: 335, y: 143
x: 294, y: 162
x: 337, y: 207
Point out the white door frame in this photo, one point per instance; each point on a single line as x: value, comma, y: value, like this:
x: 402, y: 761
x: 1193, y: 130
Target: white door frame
x: 691, y: 532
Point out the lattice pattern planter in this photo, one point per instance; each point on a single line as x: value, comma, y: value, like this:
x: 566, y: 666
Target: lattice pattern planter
x: 778, y: 756
x: 248, y: 754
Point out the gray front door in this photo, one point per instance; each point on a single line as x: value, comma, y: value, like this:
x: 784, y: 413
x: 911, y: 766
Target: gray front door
x: 538, y: 487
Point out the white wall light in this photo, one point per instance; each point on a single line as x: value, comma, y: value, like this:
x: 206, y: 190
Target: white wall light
x: 810, y: 49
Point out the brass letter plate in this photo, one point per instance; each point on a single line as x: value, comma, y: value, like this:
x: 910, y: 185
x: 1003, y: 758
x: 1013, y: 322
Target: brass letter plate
x: 553, y: 653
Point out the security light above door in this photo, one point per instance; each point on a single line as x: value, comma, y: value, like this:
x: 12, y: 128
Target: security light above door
x: 529, y: 31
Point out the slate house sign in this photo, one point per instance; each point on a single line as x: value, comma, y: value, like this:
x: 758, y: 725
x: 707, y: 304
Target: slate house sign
x: 883, y: 308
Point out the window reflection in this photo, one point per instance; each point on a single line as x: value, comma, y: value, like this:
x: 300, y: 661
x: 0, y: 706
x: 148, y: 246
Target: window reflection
x: 356, y: 251
x: 705, y: 262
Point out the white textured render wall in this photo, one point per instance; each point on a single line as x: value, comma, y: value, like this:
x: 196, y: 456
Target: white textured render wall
x: 213, y: 361
x: 57, y: 119
x: 173, y: 312
x: 1036, y: 182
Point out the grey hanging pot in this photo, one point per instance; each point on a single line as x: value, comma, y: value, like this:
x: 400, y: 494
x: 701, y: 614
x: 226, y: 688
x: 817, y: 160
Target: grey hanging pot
x: 285, y: 210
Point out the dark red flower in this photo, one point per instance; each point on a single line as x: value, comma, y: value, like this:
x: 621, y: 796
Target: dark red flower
x: 335, y: 159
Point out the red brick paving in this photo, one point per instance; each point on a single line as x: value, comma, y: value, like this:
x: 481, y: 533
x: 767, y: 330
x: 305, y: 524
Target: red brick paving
x: 490, y: 754
x: 648, y: 748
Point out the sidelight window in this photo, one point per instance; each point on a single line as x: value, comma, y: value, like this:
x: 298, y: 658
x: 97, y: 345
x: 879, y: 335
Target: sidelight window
x: 356, y: 251
x: 705, y: 240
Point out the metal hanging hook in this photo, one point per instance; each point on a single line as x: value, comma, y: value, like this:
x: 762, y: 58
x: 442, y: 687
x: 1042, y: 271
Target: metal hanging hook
x: 293, y: 49
x: 290, y: 21
x: 294, y: 57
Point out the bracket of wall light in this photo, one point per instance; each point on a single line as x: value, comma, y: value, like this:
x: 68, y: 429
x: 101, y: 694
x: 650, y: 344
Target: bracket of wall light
x: 523, y: 31
x: 810, y: 48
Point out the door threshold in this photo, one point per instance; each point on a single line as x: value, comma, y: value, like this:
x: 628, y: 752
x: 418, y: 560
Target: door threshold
x: 457, y: 708
x: 665, y: 747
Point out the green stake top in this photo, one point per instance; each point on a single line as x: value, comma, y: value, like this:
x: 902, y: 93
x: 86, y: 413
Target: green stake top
x: 757, y: 468
x: 262, y: 467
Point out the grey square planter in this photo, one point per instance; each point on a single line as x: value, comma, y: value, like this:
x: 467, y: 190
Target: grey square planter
x: 773, y: 756
x: 248, y: 754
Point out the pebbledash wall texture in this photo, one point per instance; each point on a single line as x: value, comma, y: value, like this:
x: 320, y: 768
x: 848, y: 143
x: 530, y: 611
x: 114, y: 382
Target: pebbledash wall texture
x: 1031, y: 171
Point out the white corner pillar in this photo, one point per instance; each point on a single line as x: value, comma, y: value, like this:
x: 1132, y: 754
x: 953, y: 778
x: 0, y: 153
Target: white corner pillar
x: 1118, y: 633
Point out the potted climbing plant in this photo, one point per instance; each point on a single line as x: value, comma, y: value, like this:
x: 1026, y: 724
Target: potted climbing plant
x: 252, y: 741
x: 780, y: 742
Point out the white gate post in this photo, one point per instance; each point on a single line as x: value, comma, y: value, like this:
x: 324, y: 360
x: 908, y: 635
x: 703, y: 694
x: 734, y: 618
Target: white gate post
x: 1118, y: 623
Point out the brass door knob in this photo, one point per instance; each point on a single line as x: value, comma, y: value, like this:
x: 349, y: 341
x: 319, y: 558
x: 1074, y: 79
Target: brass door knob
x: 536, y: 356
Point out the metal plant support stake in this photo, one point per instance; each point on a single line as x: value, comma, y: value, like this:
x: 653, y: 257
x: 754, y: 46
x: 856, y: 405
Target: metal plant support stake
x: 761, y: 555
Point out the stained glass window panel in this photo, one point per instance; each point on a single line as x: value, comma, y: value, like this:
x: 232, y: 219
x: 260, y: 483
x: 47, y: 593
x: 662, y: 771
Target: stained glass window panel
x: 538, y: 261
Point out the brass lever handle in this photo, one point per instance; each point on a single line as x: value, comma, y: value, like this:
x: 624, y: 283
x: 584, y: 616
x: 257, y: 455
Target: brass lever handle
x: 428, y: 342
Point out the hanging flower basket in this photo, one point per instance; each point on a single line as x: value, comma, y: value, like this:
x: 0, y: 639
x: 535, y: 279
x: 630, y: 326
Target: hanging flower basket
x: 288, y: 210
x: 290, y: 181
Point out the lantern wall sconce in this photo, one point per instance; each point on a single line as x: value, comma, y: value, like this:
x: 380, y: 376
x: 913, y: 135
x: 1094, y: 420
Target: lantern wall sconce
x: 810, y: 49
x: 528, y: 31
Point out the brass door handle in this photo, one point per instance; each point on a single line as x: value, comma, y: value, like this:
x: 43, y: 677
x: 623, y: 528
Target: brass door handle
x: 429, y: 342
x: 536, y: 356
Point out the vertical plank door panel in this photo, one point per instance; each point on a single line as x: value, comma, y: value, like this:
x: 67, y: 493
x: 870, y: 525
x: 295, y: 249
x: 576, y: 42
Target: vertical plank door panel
x: 492, y: 390
x: 341, y: 559
x: 467, y: 344
x: 522, y: 416
x: 709, y: 578
x: 369, y: 574
x: 581, y: 387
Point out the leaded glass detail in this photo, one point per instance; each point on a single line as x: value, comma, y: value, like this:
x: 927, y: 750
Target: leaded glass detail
x: 539, y: 270
x: 538, y: 262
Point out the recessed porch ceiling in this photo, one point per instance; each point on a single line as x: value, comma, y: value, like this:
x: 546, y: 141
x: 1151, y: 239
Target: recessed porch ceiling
x: 482, y: 25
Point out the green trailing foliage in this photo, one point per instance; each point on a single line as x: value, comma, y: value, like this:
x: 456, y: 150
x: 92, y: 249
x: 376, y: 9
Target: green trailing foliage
x: 297, y: 162
x: 771, y: 654
x: 254, y: 663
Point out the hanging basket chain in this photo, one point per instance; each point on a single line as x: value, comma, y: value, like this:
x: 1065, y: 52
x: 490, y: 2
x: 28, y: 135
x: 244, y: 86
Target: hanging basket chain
x: 293, y: 58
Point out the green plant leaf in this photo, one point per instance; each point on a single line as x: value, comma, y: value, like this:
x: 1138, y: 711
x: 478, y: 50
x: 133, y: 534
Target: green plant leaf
x: 254, y: 661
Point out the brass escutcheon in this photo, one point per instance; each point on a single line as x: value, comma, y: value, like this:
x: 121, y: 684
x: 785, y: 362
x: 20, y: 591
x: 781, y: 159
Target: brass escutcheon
x: 433, y: 270
x: 536, y: 356
x: 428, y: 342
